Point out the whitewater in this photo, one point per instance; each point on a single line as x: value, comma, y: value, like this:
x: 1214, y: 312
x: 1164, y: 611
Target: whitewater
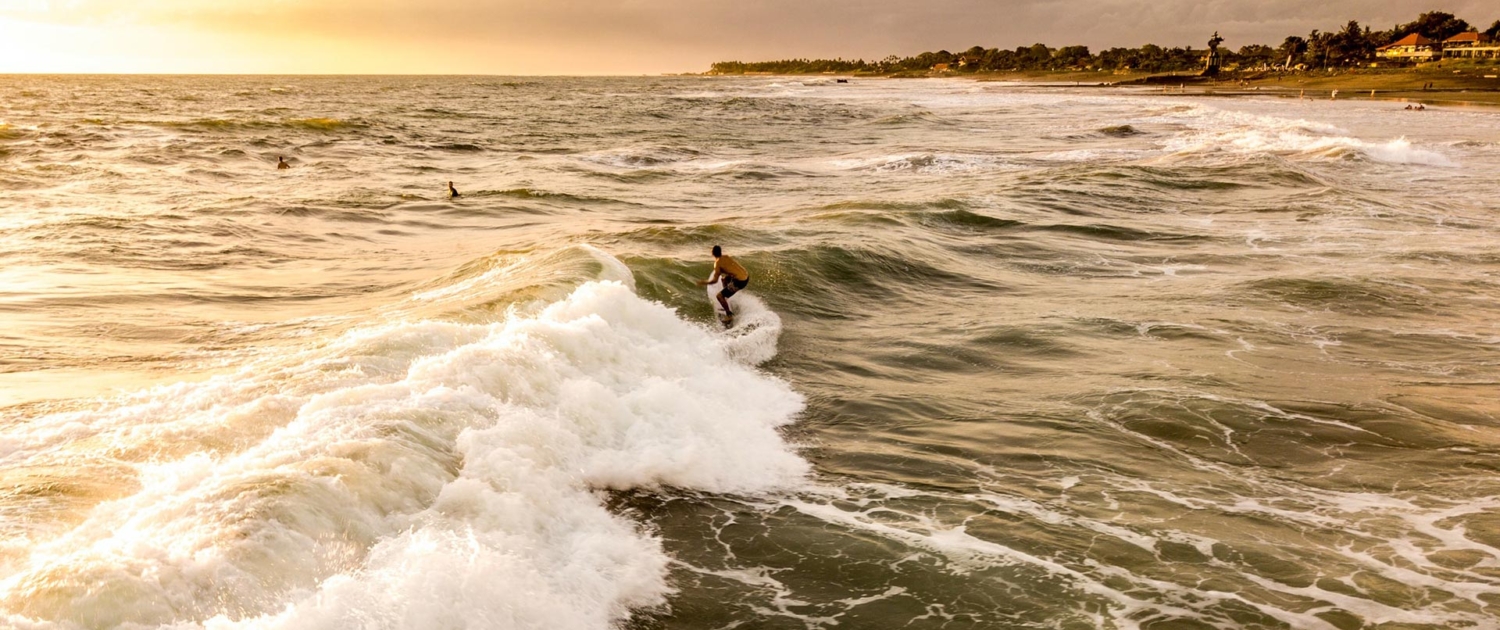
x: 1013, y: 356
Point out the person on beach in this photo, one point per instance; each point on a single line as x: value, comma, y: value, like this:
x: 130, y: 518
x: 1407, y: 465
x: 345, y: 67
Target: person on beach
x: 281, y: 164
x: 733, y: 274
x: 453, y: 192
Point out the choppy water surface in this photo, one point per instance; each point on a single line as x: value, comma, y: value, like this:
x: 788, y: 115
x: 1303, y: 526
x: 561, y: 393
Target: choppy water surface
x: 1012, y: 357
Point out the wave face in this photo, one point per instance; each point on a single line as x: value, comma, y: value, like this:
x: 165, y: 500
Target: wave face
x: 1011, y: 357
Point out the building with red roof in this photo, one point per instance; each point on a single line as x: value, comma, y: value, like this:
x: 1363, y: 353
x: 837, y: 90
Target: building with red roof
x: 1413, y: 47
x: 1471, y: 45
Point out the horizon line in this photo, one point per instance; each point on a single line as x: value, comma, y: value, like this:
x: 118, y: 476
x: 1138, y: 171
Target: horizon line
x: 342, y: 74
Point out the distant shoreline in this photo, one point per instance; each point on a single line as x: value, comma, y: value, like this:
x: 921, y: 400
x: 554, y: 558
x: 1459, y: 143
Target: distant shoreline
x: 1467, y: 86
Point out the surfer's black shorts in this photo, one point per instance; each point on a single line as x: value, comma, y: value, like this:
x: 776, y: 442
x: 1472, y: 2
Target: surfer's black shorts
x: 732, y: 286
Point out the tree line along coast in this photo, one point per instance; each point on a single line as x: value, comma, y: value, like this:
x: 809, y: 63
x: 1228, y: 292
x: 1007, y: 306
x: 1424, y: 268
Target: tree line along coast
x: 1354, y: 50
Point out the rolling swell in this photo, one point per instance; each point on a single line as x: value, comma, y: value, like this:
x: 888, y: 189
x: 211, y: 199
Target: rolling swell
x: 1354, y: 296
x: 700, y: 237
x: 1120, y: 131
x: 551, y: 196
x: 963, y: 221
x: 1138, y: 187
x: 840, y: 281
x: 828, y: 281
x: 1115, y: 233
x: 914, y: 118
x: 250, y: 124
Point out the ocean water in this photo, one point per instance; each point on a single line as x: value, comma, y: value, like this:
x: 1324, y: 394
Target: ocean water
x: 1011, y: 357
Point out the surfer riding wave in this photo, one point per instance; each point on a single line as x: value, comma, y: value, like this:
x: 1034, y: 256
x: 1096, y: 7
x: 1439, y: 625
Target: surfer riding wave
x: 733, y: 274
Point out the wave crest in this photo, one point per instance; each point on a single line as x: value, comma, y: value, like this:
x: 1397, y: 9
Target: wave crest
x: 412, y: 470
x: 1214, y: 132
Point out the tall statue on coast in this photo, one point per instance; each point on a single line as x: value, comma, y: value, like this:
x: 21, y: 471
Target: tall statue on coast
x: 1211, y: 65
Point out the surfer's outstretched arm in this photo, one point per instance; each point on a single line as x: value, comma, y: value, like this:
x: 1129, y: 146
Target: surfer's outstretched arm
x: 714, y: 278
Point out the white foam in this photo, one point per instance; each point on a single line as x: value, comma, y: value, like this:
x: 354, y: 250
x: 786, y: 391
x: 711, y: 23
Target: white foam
x: 1401, y: 151
x: 756, y: 331
x: 1130, y: 593
x: 1213, y: 131
x: 642, y: 157
x: 408, y: 475
x: 1089, y: 155
x: 924, y: 163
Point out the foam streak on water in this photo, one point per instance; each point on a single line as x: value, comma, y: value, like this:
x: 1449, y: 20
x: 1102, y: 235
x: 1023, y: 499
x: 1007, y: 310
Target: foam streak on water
x: 1011, y: 357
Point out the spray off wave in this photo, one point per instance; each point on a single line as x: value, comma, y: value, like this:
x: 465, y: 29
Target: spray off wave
x: 414, y: 474
x: 1214, y: 131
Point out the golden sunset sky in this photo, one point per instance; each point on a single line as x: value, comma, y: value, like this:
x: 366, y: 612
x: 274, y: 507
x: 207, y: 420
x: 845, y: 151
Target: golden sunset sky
x: 618, y: 36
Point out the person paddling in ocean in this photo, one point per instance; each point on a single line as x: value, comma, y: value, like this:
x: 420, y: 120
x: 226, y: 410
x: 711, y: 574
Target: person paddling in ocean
x: 734, y: 275
x: 281, y: 164
x: 453, y: 192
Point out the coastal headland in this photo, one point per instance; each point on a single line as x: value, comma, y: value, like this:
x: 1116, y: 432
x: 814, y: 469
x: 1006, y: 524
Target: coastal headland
x: 1436, y: 59
x: 1451, y: 84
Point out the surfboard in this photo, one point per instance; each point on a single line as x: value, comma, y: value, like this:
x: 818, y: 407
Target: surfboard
x: 713, y: 300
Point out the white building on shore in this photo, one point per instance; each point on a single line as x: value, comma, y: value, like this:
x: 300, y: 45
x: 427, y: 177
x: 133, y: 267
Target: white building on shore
x: 1471, y: 45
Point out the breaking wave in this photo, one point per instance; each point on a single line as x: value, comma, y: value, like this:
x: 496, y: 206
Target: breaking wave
x: 1241, y: 134
x: 925, y: 163
x: 417, y: 472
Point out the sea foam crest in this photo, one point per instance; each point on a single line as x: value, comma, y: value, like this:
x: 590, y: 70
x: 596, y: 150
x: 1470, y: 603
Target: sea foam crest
x: 924, y: 163
x: 1214, y: 131
x: 419, y: 474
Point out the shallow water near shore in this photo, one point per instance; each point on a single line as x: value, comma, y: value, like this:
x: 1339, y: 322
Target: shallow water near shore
x: 1011, y: 357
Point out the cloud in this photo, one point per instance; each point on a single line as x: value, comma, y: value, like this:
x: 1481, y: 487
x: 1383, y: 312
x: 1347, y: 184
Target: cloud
x: 592, y: 36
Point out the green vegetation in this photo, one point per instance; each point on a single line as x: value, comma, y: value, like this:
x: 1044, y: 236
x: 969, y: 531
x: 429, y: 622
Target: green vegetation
x: 1351, y: 45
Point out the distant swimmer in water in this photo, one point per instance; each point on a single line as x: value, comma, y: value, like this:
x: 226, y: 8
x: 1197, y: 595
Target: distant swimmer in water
x: 281, y: 164
x: 734, y: 275
x: 453, y: 192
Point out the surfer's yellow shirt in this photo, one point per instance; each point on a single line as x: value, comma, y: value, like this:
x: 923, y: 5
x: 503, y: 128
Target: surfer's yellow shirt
x: 731, y: 267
